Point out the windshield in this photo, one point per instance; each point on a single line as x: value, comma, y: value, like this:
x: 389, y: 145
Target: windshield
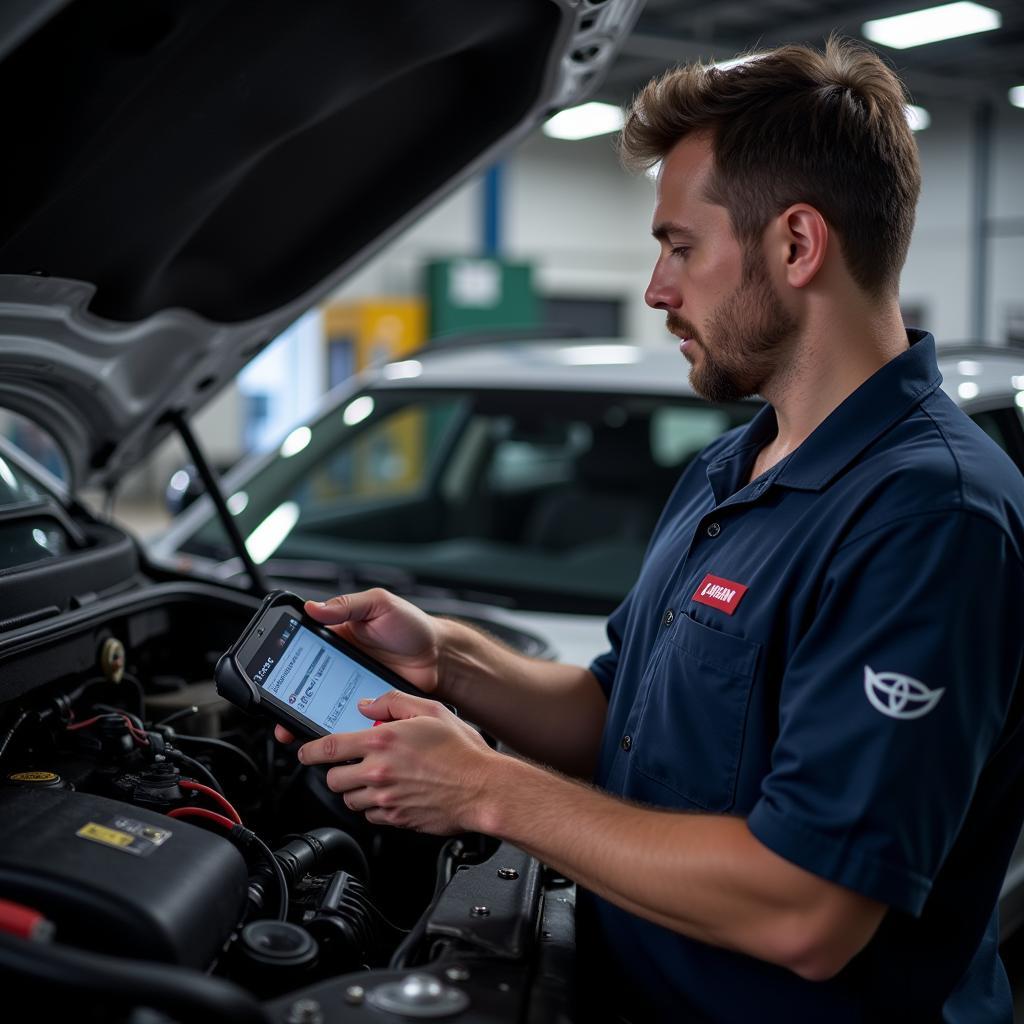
x: 546, y: 500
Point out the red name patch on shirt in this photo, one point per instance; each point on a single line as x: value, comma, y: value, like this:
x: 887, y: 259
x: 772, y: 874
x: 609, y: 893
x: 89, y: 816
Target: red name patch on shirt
x: 724, y: 595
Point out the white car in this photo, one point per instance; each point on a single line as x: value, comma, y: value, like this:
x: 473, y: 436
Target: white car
x: 521, y: 478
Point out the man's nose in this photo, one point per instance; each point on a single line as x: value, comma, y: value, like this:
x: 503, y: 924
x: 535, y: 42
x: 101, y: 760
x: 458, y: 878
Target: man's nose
x: 662, y: 292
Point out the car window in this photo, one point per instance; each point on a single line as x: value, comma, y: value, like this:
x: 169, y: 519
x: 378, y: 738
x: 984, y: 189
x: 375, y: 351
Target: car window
x: 678, y: 432
x: 544, y: 455
x: 1004, y: 426
x: 30, y: 530
x: 35, y: 442
x: 391, y: 458
x: 548, y: 500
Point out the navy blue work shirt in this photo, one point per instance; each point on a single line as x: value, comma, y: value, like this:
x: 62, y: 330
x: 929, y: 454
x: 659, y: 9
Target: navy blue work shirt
x: 831, y: 651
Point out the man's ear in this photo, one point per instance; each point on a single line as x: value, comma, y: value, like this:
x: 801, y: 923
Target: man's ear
x: 801, y: 240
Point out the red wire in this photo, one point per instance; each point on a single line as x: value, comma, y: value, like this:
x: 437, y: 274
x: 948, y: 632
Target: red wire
x: 216, y: 797
x: 88, y: 721
x: 139, y: 737
x: 201, y: 812
x: 24, y: 922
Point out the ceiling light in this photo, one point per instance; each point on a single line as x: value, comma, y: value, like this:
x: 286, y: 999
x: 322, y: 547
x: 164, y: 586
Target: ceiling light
x: 1017, y: 380
x: 917, y: 117
x: 932, y: 24
x: 968, y: 368
x: 968, y: 390
x: 584, y: 121
x: 1019, y: 399
x: 1017, y: 95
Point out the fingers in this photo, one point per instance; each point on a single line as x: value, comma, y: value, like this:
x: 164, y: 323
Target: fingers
x: 344, y: 778
x: 367, y: 604
x: 282, y: 735
x: 339, y: 746
x: 395, y: 705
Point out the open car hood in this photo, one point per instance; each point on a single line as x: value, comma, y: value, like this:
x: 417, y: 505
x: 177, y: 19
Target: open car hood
x: 185, y: 178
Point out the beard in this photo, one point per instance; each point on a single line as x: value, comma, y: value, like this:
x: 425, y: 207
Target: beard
x: 744, y: 340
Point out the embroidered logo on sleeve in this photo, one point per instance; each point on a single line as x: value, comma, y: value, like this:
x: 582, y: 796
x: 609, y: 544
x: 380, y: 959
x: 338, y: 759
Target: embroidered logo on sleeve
x: 724, y: 595
x: 899, y: 696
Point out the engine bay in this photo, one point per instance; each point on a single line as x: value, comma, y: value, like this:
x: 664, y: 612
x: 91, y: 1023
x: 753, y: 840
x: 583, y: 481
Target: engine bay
x: 160, y: 850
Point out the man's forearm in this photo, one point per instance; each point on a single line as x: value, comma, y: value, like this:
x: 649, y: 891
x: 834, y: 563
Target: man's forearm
x: 705, y: 876
x: 550, y: 712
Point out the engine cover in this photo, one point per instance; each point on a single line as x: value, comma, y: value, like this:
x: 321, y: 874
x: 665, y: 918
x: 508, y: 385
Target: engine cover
x: 120, y: 879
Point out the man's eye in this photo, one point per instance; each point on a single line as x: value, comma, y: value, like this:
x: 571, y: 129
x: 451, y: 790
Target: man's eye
x: 680, y: 250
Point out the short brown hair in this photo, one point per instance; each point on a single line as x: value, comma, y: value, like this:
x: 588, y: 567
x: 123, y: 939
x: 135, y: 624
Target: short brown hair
x: 796, y: 125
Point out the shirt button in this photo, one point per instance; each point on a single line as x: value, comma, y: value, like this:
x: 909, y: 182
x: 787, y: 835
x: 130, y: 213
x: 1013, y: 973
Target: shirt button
x: 714, y: 529
x: 668, y: 618
x: 627, y: 742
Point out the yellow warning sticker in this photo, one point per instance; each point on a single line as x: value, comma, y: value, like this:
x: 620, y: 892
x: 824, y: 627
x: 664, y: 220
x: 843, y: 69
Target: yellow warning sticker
x: 101, y: 834
x: 126, y: 834
x: 33, y: 777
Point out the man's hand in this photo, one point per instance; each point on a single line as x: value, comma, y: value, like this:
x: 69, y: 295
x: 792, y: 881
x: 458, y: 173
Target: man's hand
x: 421, y: 768
x: 393, y: 631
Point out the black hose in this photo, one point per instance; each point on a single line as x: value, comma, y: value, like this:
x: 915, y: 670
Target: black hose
x: 186, y: 994
x: 190, y: 762
x: 246, y: 837
x: 322, y: 851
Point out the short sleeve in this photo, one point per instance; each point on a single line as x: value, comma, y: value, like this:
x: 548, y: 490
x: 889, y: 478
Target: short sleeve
x: 892, y: 702
x: 605, y: 665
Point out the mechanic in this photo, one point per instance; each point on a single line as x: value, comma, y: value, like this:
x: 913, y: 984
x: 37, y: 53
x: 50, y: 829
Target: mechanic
x: 805, y: 741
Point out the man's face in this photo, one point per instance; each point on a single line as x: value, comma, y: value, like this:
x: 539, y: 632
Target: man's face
x: 718, y: 297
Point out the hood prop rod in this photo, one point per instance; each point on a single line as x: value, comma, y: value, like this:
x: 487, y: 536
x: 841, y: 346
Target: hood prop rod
x: 257, y: 584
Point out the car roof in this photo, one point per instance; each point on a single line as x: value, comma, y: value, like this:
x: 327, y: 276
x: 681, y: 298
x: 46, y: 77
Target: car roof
x: 559, y: 364
x: 971, y: 372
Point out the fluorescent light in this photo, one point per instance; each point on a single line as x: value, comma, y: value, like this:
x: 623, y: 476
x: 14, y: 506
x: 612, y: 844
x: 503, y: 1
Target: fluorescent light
x: 179, y: 482
x: 404, y: 370
x: 7, y: 476
x: 270, y: 534
x: 917, y: 117
x: 968, y: 368
x: 1017, y: 381
x: 596, y: 355
x: 584, y: 121
x: 1016, y: 95
x: 295, y: 442
x: 357, y: 410
x: 931, y: 24
x: 1019, y: 399
x: 968, y: 390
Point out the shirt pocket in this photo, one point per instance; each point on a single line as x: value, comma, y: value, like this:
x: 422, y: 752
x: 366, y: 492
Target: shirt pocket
x: 690, y: 734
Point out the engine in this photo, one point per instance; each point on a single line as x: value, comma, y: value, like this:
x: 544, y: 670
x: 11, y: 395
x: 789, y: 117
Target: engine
x: 159, y: 850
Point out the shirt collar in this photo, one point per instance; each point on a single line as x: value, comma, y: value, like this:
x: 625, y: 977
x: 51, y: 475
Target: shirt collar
x: 885, y: 397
